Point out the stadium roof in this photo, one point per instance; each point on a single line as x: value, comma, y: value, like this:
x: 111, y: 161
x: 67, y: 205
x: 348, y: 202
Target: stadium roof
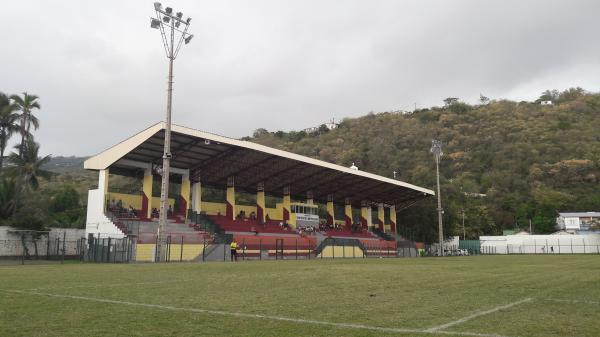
x: 214, y: 158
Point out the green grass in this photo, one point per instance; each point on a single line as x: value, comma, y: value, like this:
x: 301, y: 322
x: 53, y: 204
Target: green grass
x: 412, y: 294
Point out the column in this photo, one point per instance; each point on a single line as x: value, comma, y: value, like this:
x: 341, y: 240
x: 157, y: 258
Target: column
x: 230, y: 207
x: 260, y: 203
x: 185, y: 194
x: 380, y: 217
x: 348, y: 213
x: 197, y: 197
x: 393, y: 219
x: 147, y: 192
x: 365, y: 214
x: 103, y: 187
x: 286, y: 203
x: 330, y: 210
x: 309, y: 197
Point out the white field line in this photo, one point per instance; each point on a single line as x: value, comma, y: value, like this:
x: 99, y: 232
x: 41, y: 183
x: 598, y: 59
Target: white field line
x: 110, y: 285
x: 571, y: 301
x: 257, y: 316
x: 477, y: 314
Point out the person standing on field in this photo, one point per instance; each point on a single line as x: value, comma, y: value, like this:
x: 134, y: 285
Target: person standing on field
x: 234, y: 248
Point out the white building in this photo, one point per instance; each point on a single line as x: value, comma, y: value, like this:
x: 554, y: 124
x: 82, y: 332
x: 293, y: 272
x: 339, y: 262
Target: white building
x: 546, y: 103
x: 575, y: 222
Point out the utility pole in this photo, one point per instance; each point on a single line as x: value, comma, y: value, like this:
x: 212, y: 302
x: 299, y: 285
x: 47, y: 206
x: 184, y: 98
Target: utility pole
x: 463, y: 218
x: 171, y: 22
x: 436, y: 149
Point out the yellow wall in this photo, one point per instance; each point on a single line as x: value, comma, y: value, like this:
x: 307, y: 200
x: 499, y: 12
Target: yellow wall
x: 145, y: 252
x: 185, y: 191
x: 213, y: 208
x: 364, y: 213
x: 147, y: 188
x: 135, y: 200
x: 231, y: 200
x: 330, y: 210
x: 156, y: 202
x: 260, y: 201
x: 247, y: 209
x: 348, y: 212
x: 341, y: 252
x: 275, y: 213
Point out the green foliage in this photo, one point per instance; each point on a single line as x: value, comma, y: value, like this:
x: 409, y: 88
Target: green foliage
x: 530, y: 161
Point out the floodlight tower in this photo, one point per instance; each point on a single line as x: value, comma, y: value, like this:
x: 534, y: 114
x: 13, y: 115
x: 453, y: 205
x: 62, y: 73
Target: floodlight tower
x: 436, y: 149
x: 172, y: 24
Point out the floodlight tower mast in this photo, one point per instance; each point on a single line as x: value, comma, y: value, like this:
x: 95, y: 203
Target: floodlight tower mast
x: 436, y: 149
x: 170, y: 22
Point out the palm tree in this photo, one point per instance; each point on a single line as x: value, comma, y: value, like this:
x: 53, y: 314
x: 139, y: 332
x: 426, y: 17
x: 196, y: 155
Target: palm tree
x: 26, y: 104
x: 8, y: 123
x: 7, y: 198
x: 28, y: 165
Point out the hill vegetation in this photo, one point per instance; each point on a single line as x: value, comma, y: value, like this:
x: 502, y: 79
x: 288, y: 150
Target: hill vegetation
x: 505, y: 162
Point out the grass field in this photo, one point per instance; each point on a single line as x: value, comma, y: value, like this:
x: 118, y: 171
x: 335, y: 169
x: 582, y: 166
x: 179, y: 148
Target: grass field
x: 460, y: 296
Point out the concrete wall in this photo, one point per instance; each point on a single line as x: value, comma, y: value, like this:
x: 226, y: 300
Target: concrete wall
x: 96, y: 222
x: 11, y: 244
x: 542, y: 244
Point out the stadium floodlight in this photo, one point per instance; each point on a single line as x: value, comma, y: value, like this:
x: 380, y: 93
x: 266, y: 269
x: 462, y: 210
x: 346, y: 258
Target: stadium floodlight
x: 436, y: 149
x: 154, y: 23
x: 172, y: 38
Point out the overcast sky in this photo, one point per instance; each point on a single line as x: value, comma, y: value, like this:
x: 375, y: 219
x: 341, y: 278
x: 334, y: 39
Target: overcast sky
x: 100, y: 71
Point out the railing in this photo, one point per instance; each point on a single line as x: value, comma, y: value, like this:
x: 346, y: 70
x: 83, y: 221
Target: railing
x: 383, y: 235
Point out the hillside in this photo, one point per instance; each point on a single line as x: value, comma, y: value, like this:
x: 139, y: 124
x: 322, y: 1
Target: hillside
x: 529, y: 160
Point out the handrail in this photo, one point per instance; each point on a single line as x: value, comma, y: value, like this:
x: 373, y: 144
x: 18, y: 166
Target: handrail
x: 336, y: 242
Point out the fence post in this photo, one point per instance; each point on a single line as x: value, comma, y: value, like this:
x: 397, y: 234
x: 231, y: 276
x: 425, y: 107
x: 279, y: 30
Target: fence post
x: 584, y: 250
x: 181, y: 250
x: 260, y: 249
x: 244, y: 249
x: 296, y: 249
x: 204, y: 249
x: 571, y: 245
x: 108, y: 250
x: 22, y: 252
x: 333, y: 248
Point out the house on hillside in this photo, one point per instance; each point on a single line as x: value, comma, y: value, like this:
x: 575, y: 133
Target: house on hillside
x: 546, y: 103
x: 330, y: 126
x: 579, y: 222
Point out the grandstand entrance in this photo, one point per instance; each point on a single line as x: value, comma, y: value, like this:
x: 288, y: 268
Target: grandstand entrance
x: 279, y: 249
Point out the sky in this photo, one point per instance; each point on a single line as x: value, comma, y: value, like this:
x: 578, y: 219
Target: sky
x: 101, y: 72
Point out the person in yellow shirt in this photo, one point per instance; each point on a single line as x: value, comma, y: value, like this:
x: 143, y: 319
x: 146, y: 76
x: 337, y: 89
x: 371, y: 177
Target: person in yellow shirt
x: 234, y: 248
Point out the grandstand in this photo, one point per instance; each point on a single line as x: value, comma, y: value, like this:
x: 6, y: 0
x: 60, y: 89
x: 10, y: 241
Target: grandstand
x: 303, y: 222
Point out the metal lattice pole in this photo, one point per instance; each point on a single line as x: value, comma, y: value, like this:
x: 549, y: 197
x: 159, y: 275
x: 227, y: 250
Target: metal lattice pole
x: 166, y: 19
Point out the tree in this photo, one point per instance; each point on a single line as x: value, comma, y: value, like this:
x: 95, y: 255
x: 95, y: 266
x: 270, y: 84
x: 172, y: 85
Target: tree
x: 483, y: 99
x: 260, y: 132
x: 7, y: 198
x: 450, y: 100
x: 8, y: 123
x: 26, y: 105
x: 28, y: 165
